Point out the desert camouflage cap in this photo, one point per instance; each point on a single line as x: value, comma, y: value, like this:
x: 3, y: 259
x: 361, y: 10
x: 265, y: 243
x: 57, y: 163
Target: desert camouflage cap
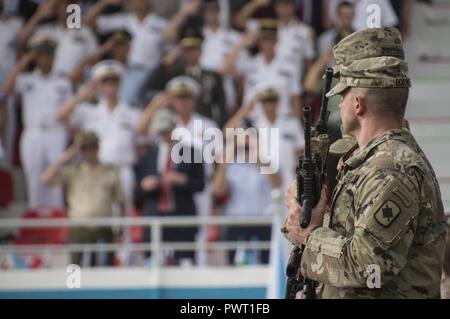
x: 268, y: 28
x: 87, y: 139
x: 369, y: 43
x: 371, y: 57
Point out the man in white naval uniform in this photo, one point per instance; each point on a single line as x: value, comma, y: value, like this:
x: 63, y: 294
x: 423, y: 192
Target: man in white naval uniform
x: 218, y: 43
x: 295, y: 38
x: 42, y: 92
x: 266, y: 65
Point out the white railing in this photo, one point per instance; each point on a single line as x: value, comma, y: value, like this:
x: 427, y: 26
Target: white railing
x: 155, y: 223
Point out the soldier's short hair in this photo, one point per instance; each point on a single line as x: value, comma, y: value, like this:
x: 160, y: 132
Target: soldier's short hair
x: 389, y: 102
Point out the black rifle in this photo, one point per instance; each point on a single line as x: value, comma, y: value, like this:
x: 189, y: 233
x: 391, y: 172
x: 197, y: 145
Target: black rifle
x: 310, y: 178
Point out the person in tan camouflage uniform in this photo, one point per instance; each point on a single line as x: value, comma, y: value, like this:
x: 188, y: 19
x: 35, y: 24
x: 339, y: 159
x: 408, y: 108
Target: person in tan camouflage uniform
x: 386, y: 218
x: 445, y: 285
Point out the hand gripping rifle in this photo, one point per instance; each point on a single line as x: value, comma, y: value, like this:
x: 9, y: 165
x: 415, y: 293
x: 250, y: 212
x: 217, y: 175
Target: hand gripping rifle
x: 310, y: 178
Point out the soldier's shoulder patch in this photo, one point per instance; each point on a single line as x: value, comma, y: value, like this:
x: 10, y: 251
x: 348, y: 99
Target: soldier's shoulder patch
x: 387, y: 213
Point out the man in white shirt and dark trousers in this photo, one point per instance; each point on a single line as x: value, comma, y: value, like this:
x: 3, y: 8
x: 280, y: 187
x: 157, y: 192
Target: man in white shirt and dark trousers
x: 165, y: 186
x: 181, y: 94
x: 42, y: 92
x: 291, y: 140
x: 247, y: 192
x: 113, y: 120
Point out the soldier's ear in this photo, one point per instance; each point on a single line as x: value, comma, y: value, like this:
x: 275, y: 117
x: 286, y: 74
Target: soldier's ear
x: 359, y: 104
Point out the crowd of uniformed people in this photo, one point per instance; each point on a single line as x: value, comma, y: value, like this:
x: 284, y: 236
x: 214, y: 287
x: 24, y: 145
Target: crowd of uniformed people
x: 91, y: 109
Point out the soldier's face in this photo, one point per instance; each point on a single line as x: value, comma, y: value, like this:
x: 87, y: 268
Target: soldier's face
x: 284, y: 9
x: 138, y: 5
x: 267, y: 45
x: 109, y: 86
x: 184, y: 105
x: 89, y: 153
x: 120, y: 50
x: 345, y: 17
x: 211, y: 14
x: 192, y: 55
x: 44, y: 61
x: 270, y: 106
x: 349, y: 120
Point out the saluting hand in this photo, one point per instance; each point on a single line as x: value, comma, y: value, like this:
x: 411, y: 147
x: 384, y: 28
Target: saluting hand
x: 114, y: 2
x: 262, y: 3
x: 71, y: 152
x: 87, y: 91
x: 46, y: 9
x: 160, y: 100
x: 249, y: 39
x: 26, y: 59
x: 191, y: 7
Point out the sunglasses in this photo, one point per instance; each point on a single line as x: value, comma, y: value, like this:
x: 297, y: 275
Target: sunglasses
x: 111, y: 80
x: 89, y: 148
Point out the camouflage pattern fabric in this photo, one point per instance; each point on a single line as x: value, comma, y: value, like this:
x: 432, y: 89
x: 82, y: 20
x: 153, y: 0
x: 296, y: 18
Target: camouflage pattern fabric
x: 386, y: 211
x: 370, y: 57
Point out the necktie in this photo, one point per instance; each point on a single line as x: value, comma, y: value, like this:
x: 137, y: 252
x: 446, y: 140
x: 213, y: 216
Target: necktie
x: 164, y: 199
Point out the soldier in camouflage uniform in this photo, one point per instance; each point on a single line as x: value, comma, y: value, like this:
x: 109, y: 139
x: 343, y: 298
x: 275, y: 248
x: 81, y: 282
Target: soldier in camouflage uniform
x: 386, y: 216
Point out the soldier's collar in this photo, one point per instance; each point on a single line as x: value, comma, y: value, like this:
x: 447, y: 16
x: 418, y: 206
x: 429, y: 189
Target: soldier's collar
x: 359, y: 156
x: 349, y: 153
x: 83, y: 167
x: 196, y: 69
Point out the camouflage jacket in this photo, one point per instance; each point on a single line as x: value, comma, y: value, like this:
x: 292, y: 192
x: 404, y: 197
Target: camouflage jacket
x: 386, y: 221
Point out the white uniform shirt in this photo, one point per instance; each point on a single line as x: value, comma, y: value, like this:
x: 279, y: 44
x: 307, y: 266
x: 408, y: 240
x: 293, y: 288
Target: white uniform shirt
x: 74, y: 45
x: 194, y: 136
x: 10, y: 28
x: 163, y: 152
x: 147, y: 44
x: 195, y: 129
x: 256, y: 70
x: 116, y: 130
x: 326, y: 40
x: 291, y: 139
x: 296, y: 41
x: 41, y: 97
x: 388, y: 18
x: 249, y: 190
x: 216, y: 46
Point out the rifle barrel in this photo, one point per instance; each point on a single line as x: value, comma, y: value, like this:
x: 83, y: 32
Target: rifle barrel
x: 307, y: 132
x: 323, y: 118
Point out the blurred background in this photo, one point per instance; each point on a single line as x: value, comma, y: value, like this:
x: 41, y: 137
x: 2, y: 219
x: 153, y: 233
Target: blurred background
x: 90, y: 92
